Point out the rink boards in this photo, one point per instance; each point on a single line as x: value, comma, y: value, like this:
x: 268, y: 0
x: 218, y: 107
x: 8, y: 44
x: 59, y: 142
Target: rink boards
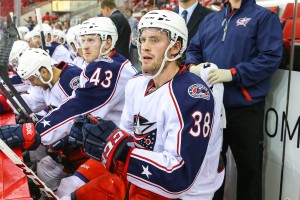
x: 13, y: 182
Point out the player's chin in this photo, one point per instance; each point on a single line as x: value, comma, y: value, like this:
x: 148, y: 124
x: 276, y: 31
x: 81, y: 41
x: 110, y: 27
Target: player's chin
x: 147, y: 69
x: 147, y: 64
x: 88, y: 59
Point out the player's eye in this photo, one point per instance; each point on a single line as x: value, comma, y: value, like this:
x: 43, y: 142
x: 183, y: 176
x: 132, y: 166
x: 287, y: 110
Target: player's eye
x: 154, y: 40
x: 142, y: 40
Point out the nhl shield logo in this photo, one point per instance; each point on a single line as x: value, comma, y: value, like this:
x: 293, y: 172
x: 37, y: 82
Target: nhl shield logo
x: 199, y: 91
x: 242, y: 21
x: 105, y: 59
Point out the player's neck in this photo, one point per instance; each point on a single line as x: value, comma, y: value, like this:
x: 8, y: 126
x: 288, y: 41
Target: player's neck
x: 56, y: 75
x: 167, y: 74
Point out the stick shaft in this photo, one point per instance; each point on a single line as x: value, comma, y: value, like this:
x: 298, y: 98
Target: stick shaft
x: 27, y: 171
x: 39, y: 20
x: 12, y: 101
x: 13, y: 90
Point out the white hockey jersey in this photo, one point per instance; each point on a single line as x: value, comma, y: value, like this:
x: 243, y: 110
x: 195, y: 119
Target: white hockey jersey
x: 177, y: 134
x: 101, y: 93
x: 38, y: 99
x: 79, y: 62
x: 59, y: 52
x: 20, y: 85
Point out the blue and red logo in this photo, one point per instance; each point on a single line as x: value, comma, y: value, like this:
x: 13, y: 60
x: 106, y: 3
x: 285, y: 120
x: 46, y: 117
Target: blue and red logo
x: 199, y: 91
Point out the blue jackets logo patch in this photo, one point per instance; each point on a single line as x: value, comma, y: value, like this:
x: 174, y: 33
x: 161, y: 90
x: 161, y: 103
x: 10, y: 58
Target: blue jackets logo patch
x: 242, y: 21
x: 144, y: 132
x: 199, y: 91
x: 74, y: 83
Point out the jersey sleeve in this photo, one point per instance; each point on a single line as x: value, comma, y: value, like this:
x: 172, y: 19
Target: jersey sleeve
x: 18, y: 83
x: 69, y: 80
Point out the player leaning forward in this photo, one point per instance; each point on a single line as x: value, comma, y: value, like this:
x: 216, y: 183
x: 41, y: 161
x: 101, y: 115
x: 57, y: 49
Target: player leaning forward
x: 172, y: 119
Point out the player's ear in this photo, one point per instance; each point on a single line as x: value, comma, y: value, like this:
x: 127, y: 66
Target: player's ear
x: 44, y: 71
x: 176, y: 48
x: 108, y: 43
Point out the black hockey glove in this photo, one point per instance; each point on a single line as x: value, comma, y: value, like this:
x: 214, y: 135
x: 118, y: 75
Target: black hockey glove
x: 105, y: 142
x: 76, y: 136
x: 20, y: 135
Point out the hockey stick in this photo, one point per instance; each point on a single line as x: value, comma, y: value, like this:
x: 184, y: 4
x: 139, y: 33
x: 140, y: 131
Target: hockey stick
x: 9, y: 37
x: 11, y: 14
x: 39, y: 21
x: 49, y: 194
x: 12, y: 101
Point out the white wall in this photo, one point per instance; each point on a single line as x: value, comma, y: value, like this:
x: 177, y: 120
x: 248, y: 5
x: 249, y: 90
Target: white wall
x: 276, y: 100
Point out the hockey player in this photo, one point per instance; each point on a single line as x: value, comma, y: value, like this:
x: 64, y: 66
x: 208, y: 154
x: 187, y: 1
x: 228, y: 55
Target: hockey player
x: 75, y: 46
x: 56, y: 50
x: 22, y: 30
x: 59, y: 36
x: 172, y: 118
x: 51, y: 84
x: 33, y: 38
x: 103, y: 81
x: 17, y: 49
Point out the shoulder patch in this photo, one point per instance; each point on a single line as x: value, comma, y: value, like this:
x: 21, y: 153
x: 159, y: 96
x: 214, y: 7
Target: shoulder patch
x: 105, y: 59
x: 199, y: 91
x: 74, y: 83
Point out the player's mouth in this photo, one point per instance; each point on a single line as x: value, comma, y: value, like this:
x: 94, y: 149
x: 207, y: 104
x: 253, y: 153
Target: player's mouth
x: 146, y: 57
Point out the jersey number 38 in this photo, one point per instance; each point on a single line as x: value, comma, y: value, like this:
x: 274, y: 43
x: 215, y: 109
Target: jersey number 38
x: 201, y: 124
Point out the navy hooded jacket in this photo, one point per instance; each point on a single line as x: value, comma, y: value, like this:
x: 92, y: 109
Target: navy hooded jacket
x: 250, y: 40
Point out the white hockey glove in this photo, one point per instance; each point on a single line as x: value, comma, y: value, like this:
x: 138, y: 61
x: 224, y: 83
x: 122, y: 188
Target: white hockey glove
x: 219, y: 75
x: 196, y: 68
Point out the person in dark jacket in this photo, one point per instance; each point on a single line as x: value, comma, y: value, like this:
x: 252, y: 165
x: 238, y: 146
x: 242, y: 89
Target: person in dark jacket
x: 109, y: 9
x: 245, y: 41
